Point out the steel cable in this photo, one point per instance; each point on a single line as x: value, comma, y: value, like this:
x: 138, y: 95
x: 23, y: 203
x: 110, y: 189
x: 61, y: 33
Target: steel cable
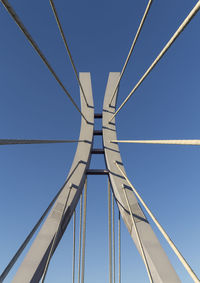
x: 138, y: 237
x: 132, y: 47
x: 109, y: 233
x: 67, y: 47
x: 35, y: 46
x: 55, y: 237
x: 74, y: 248
x: 177, y: 142
x: 164, y: 50
x: 84, y: 233
x: 172, y: 245
x: 80, y: 238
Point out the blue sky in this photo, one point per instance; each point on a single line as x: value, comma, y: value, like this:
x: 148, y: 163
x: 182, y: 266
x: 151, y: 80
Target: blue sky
x: 166, y: 106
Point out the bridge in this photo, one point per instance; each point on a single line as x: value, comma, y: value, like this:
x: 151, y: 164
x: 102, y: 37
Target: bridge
x: 123, y: 196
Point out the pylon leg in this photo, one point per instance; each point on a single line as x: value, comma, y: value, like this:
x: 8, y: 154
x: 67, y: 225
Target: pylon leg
x: 34, y: 262
x: 159, y: 265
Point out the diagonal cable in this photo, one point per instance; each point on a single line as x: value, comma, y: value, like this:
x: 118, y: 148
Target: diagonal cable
x: 177, y: 142
x: 35, y: 46
x: 132, y: 47
x: 30, y: 235
x: 18, y: 141
x: 138, y: 236
x: 26, y: 241
x: 164, y: 50
x: 67, y: 47
x: 161, y: 229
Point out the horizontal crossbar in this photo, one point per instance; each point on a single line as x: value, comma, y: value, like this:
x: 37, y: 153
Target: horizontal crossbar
x: 97, y: 151
x: 98, y: 116
x: 97, y: 132
x: 97, y: 172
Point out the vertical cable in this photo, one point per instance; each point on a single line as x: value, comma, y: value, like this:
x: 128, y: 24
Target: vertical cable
x: 113, y: 236
x: 80, y: 233
x: 74, y: 248
x: 109, y: 234
x: 119, y: 246
x: 138, y: 236
x: 84, y: 232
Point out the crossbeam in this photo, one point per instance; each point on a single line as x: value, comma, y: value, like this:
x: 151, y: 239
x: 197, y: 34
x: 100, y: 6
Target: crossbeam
x: 98, y: 133
x: 97, y: 172
x: 98, y: 151
x: 98, y: 115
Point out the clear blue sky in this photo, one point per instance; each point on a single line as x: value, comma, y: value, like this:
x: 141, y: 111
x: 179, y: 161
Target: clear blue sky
x: 166, y: 106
